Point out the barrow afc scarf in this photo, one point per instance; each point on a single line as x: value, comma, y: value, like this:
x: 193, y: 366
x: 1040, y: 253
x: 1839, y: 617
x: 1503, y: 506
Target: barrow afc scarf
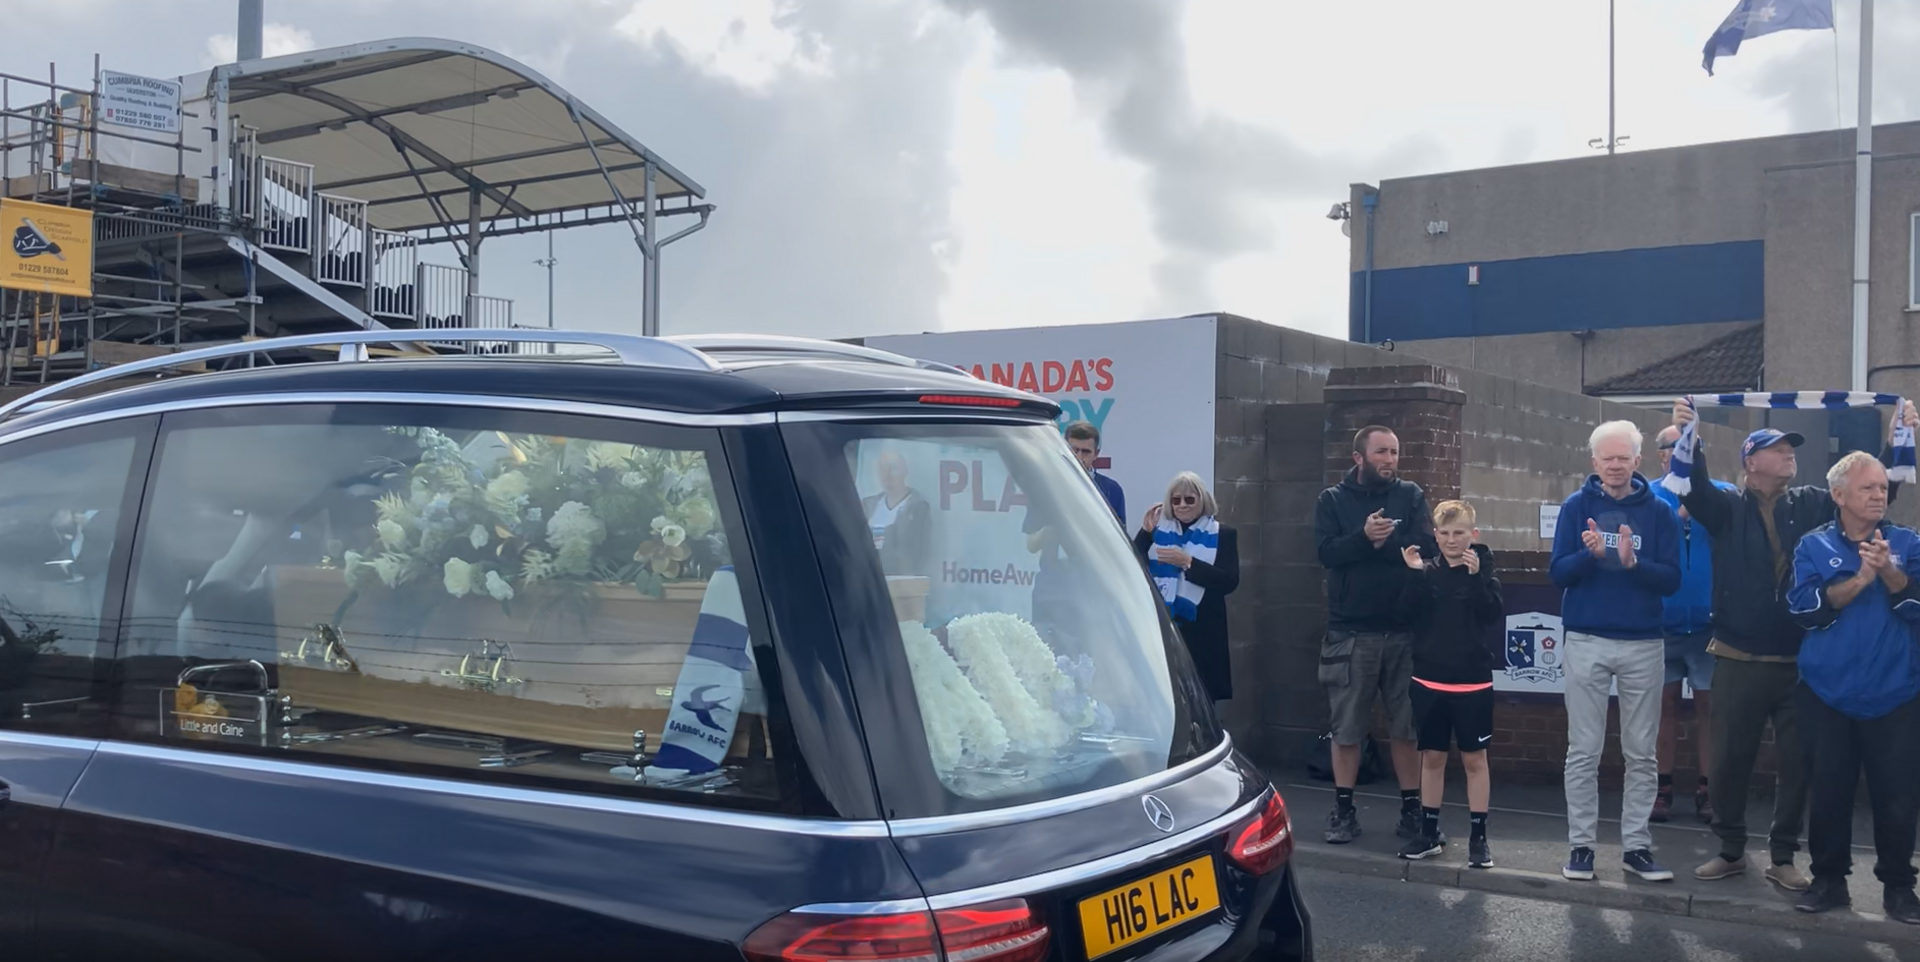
x: 1201, y: 539
x: 1680, y: 471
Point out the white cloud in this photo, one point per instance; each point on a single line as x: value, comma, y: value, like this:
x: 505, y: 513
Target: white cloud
x: 276, y: 40
x: 749, y: 42
x: 1049, y: 226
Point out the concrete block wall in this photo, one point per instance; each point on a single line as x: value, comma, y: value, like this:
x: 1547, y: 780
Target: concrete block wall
x: 1269, y: 426
x: 1524, y: 445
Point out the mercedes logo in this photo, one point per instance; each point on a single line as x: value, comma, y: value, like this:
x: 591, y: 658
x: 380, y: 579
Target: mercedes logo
x: 1158, y: 813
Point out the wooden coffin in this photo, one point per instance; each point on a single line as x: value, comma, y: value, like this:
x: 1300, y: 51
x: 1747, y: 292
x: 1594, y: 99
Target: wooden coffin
x: 545, y: 674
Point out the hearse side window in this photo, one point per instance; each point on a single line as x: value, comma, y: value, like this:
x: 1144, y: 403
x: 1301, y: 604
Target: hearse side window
x: 65, y: 509
x: 443, y: 590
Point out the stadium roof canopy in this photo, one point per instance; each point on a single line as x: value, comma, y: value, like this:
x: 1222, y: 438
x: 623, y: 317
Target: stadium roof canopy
x: 422, y: 127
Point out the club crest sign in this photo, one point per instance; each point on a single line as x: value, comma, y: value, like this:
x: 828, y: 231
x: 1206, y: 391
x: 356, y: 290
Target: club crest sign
x: 1535, y: 654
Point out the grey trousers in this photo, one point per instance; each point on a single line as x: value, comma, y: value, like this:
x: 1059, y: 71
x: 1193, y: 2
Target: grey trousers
x: 1594, y: 665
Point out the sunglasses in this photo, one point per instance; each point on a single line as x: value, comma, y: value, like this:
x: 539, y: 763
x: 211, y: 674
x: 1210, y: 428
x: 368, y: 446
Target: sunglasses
x: 1183, y: 499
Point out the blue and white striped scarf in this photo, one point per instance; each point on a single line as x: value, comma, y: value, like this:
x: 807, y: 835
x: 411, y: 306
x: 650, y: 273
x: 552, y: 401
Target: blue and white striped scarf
x: 1201, y: 539
x: 1680, y: 471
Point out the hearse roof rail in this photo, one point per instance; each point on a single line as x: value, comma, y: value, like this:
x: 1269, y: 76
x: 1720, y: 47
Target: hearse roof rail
x: 627, y: 349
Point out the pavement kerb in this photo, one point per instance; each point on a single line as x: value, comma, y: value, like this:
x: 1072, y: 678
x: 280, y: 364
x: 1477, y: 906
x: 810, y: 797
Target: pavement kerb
x: 1632, y: 897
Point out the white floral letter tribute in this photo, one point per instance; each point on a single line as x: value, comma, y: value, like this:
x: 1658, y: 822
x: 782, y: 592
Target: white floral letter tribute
x: 1000, y: 691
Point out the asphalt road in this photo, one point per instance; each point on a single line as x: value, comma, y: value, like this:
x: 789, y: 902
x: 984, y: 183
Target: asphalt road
x: 1358, y: 919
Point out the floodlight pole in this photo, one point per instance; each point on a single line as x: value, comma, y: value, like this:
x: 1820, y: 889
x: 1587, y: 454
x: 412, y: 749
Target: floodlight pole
x: 1863, y: 199
x: 249, y: 39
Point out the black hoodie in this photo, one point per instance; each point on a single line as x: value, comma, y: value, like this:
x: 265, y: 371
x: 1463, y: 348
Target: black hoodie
x: 1452, y: 611
x: 1364, y: 582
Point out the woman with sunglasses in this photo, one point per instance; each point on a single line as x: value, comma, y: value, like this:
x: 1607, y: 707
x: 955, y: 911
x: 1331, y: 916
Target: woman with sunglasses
x: 1195, y: 563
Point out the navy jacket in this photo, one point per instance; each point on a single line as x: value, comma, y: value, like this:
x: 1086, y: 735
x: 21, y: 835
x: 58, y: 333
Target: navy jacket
x: 1116, y: 498
x: 1453, y: 613
x: 1364, y: 582
x: 1858, y: 659
x: 1602, y: 597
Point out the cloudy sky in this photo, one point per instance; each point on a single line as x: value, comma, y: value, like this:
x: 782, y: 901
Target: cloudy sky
x: 908, y: 165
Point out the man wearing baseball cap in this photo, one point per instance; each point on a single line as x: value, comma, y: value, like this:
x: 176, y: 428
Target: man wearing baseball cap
x: 1756, y: 641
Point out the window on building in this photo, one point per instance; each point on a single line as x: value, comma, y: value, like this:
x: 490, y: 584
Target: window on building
x: 491, y: 593
x: 1913, y: 262
x: 64, y: 512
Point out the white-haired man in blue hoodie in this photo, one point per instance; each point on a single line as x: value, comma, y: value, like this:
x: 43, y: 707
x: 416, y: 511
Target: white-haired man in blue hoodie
x: 1616, y: 553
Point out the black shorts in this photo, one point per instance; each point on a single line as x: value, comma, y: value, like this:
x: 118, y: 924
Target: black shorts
x: 1443, y: 717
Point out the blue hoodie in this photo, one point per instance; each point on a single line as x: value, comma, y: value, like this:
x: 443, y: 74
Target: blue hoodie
x: 1603, y: 597
x: 1858, y: 659
x: 1690, y: 610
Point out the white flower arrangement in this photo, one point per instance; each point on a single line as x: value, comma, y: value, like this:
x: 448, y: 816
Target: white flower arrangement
x: 458, y: 577
x: 576, y: 532
x: 498, y: 587
x: 492, y: 519
x: 1032, y: 661
x: 979, y: 647
x: 960, y: 725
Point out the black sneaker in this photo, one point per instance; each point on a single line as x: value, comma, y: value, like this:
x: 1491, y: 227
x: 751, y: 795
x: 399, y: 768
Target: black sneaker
x: 1409, y: 827
x: 1342, y: 827
x: 1902, y: 906
x: 1825, y: 894
x: 1478, y: 854
x: 1421, y: 848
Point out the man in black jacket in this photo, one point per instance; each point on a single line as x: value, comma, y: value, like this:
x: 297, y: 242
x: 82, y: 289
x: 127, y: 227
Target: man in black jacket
x: 1362, y: 524
x: 1756, y: 642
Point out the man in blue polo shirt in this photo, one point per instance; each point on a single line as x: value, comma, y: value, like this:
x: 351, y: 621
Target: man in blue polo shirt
x: 1856, y: 589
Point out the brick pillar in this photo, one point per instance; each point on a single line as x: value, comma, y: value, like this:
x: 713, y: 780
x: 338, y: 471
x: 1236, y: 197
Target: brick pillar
x: 1422, y: 403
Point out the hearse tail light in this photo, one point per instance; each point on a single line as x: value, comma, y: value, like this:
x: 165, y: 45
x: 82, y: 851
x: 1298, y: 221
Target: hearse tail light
x: 1265, y: 842
x: 1006, y: 931
x: 970, y: 401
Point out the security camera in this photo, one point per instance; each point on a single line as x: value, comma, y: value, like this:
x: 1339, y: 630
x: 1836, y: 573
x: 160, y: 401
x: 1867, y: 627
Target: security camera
x: 1339, y: 212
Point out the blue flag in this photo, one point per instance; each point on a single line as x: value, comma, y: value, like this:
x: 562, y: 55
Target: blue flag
x: 1757, y: 18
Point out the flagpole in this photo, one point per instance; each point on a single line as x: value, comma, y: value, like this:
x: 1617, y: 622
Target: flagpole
x: 1610, y: 137
x: 1863, y: 198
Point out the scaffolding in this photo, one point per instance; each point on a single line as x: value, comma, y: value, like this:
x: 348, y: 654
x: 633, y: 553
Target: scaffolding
x: 261, y: 211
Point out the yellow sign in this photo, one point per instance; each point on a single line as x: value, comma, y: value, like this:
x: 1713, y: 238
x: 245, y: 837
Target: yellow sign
x: 46, y: 248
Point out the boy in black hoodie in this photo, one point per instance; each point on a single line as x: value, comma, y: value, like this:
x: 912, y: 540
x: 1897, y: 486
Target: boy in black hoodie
x: 1452, y: 603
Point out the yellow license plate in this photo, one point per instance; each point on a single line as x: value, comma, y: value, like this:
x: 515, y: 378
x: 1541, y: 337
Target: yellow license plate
x: 1120, y: 917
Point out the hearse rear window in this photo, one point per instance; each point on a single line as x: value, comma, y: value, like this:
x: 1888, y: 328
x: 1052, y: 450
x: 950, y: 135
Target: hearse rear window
x: 451, y: 590
x: 1038, y: 658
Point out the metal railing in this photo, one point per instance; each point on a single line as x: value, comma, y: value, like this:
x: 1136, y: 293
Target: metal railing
x: 488, y: 313
x: 340, y: 257
x: 395, y: 275
x: 281, y: 203
x: 443, y: 296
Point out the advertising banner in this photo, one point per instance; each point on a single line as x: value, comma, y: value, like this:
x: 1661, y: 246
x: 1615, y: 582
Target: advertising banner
x: 143, y: 103
x: 48, y: 249
x: 1147, y: 385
